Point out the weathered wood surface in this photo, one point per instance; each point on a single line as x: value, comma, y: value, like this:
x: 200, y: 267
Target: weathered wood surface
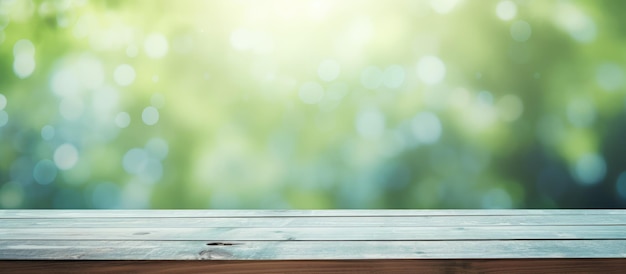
x: 311, y: 250
x: 365, y: 221
x: 320, y: 233
x: 324, y: 240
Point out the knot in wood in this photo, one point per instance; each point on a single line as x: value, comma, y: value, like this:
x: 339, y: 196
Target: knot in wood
x: 214, y: 254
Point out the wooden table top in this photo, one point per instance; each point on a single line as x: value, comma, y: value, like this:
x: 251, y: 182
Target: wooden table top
x: 310, y: 234
x: 292, y: 235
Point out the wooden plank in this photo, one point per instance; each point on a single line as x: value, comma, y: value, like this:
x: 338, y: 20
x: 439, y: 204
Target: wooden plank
x: 396, y: 221
x: 9, y: 214
x: 319, y: 233
x: 521, y: 266
x: 308, y: 250
x: 321, y: 237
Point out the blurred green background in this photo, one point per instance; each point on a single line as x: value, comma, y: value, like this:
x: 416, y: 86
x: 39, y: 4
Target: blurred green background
x: 312, y: 104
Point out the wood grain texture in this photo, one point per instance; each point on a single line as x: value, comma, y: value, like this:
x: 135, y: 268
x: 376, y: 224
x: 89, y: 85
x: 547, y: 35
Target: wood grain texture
x: 319, y: 241
x: 308, y: 250
x: 320, y: 233
x: 365, y: 221
x: 521, y: 266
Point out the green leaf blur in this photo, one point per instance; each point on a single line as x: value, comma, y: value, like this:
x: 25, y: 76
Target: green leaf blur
x: 312, y: 104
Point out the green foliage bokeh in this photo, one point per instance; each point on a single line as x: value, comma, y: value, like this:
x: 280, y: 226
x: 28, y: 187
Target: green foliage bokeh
x: 312, y: 104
